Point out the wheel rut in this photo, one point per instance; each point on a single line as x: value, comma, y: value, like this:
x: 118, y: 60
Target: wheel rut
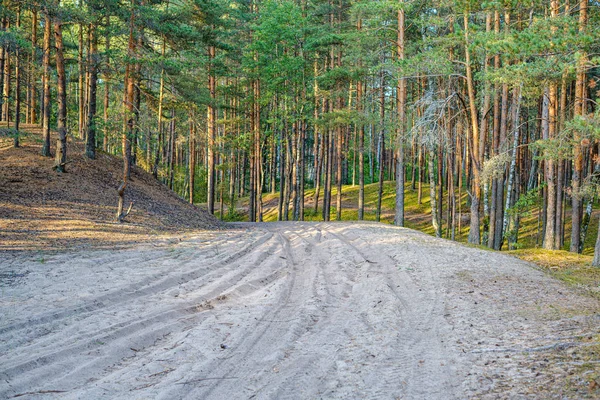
x: 277, y: 311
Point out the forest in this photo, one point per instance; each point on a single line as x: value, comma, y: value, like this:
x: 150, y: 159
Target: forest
x: 490, y: 106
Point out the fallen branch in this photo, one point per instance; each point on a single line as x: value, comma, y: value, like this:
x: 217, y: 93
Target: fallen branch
x: 206, y: 379
x: 38, y: 392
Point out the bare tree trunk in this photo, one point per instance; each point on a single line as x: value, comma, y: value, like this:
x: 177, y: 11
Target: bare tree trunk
x: 210, y: 190
x: 6, y: 94
x: 61, y: 152
x: 129, y: 117
x: 302, y: 167
x: 551, y: 108
x: 474, y: 234
x: 81, y: 84
x: 90, y: 148
x: 579, y: 109
x: 339, y: 174
x: 435, y: 217
x: 161, y: 96
x: 106, y: 87
x: 401, y: 104
x: 596, y: 261
x: 361, y: 154
x: 3, y: 57
x: 46, y: 85
x: 17, y: 87
x: 516, y: 115
x: 282, y: 175
x: 192, y: 159
x: 381, y: 149
x: 32, y: 104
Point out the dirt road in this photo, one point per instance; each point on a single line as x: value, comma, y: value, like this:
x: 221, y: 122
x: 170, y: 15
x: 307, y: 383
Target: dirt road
x: 292, y: 310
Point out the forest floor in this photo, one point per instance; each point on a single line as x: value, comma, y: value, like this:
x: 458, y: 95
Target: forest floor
x: 293, y: 310
x: 175, y: 305
x: 41, y: 209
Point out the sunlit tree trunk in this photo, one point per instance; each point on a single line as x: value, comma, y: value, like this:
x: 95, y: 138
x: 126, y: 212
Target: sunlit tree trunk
x: 401, y: 105
x: 579, y: 110
x: 474, y: 234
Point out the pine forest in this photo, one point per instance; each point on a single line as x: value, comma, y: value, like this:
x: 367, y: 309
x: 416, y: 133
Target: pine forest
x: 483, y: 115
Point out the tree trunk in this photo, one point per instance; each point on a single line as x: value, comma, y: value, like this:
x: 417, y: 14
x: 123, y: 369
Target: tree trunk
x: 17, y: 87
x: 435, y: 217
x: 32, y: 104
x: 106, y: 87
x: 161, y: 97
x: 6, y: 94
x: 128, y: 113
x: 361, y: 154
x: 400, y: 106
x: 596, y: 261
x: 61, y: 153
x: 90, y: 148
x: 210, y: 190
x: 381, y: 149
x: 579, y: 110
x: 3, y: 57
x: 474, y: 150
x: 192, y: 160
x: 46, y: 85
x: 81, y: 84
x: 339, y: 173
x: 516, y: 108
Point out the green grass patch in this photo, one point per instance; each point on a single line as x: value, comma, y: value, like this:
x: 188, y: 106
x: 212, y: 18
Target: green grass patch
x: 574, y: 269
x: 417, y: 214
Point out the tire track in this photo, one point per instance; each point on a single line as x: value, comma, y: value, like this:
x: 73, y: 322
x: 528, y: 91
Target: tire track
x: 144, y: 287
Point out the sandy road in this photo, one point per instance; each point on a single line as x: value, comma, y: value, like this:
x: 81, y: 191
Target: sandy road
x: 291, y: 310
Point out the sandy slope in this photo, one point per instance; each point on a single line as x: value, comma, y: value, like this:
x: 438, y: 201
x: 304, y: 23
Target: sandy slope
x: 290, y: 310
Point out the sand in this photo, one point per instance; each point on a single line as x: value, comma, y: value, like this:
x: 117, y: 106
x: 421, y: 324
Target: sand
x: 291, y: 310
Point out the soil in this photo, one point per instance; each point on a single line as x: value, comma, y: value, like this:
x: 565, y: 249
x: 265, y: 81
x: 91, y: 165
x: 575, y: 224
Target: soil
x: 41, y: 209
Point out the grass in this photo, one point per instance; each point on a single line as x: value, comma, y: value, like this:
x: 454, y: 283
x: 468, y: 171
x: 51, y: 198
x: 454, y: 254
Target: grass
x: 574, y: 269
x: 417, y: 216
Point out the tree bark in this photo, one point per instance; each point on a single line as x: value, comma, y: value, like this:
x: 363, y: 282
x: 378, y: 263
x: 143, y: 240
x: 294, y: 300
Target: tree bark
x: 474, y: 150
x: 90, y: 148
x: 401, y: 105
x: 46, y: 85
x: 106, y: 87
x: 61, y: 153
x: 17, y: 87
x: 128, y: 113
x: 579, y: 110
x: 192, y: 160
x: 210, y: 190
x: 32, y: 104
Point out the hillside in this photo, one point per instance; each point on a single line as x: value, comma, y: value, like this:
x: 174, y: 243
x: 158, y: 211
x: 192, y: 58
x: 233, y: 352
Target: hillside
x: 42, y: 209
x: 417, y: 216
